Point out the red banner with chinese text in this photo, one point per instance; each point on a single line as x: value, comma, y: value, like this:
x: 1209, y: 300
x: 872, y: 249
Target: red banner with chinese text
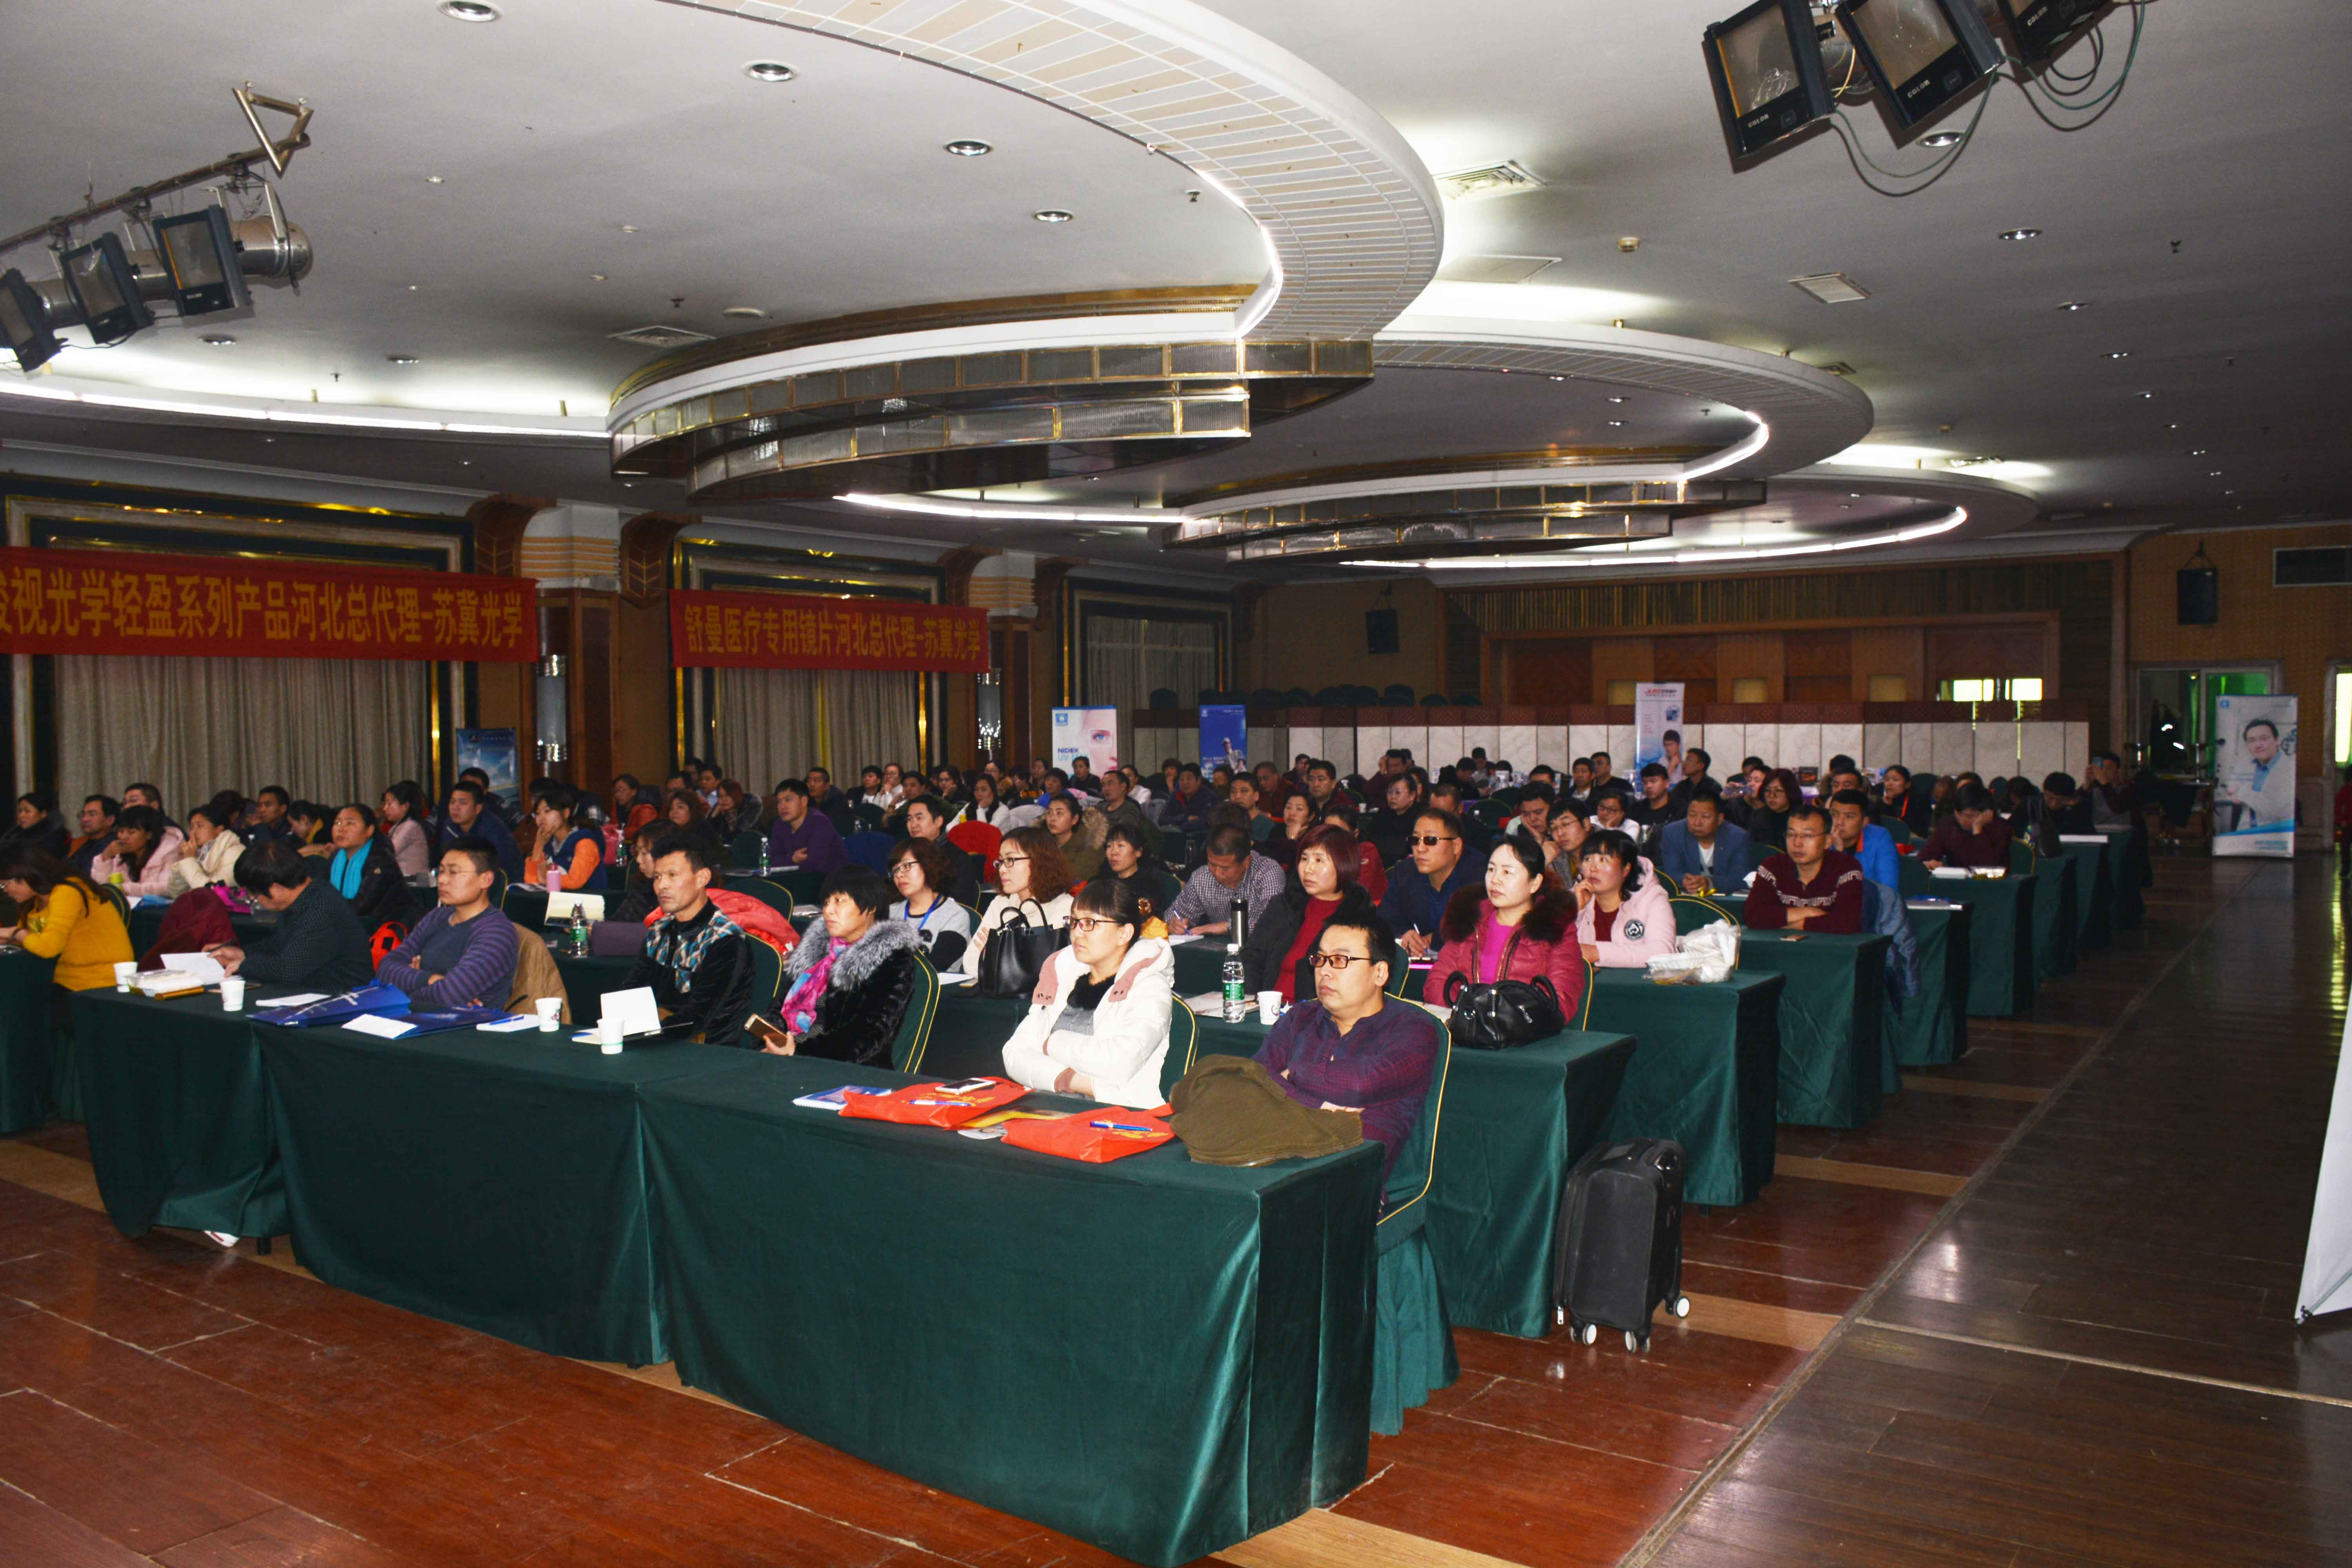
x: 798, y: 631
x: 124, y: 602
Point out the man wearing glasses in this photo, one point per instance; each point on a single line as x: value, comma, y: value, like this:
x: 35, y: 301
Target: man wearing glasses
x: 1352, y: 1048
x: 1443, y: 865
x: 462, y: 954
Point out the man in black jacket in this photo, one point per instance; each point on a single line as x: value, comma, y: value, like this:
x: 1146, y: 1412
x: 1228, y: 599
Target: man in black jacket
x: 927, y: 818
x: 698, y: 961
x: 318, y: 945
x: 468, y: 814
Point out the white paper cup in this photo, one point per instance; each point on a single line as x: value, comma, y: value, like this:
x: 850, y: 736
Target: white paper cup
x: 233, y: 994
x: 1269, y: 1006
x: 608, y: 1034
x: 610, y: 1047
x: 551, y: 1013
x: 125, y: 975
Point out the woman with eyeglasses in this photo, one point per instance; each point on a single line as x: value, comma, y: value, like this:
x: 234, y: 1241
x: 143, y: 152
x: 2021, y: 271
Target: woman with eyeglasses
x: 1035, y: 889
x: 921, y: 871
x: 1523, y: 928
x: 1326, y: 879
x: 1098, y: 1024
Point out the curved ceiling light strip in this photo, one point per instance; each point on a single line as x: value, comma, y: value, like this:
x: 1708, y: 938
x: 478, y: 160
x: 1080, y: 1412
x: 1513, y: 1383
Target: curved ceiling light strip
x: 1945, y: 524
x: 1353, y: 221
x: 365, y: 416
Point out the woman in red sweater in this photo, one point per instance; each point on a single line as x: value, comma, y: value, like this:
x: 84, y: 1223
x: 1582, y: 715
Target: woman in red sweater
x: 1524, y: 927
x: 1323, y: 880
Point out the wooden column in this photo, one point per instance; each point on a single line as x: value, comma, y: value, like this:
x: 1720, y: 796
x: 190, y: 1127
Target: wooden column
x: 503, y: 693
x: 957, y: 741
x: 643, y: 715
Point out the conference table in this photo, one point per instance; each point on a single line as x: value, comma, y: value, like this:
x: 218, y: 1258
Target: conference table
x: 2000, y: 934
x: 1930, y: 1027
x: 2058, y: 886
x: 2097, y: 865
x: 1836, y: 1062
x: 28, y: 1060
x: 1706, y: 1073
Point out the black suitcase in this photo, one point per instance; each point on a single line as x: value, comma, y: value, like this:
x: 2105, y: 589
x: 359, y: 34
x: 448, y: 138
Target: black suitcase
x: 1617, y: 1248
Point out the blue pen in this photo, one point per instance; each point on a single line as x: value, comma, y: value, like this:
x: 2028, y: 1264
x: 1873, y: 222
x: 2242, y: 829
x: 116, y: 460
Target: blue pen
x: 1121, y: 1127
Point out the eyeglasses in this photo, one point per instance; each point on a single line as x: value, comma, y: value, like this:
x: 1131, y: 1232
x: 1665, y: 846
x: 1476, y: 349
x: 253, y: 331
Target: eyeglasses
x: 1012, y: 859
x: 1430, y: 840
x: 1335, y: 961
x: 1088, y: 923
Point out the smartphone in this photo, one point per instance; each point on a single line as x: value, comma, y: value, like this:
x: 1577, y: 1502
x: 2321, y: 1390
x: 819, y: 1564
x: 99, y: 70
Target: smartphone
x: 964, y: 1086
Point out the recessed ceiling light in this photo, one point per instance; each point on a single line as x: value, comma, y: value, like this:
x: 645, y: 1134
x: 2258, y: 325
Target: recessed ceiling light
x: 2213, y: 473
x: 964, y: 147
x: 217, y: 340
x: 1559, y: 378
x: 1629, y: 242
x: 2020, y: 234
x: 769, y: 70
x: 399, y: 359
x: 2075, y: 305
x: 595, y: 277
x: 1052, y: 214
x: 1832, y: 288
x: 744, y: 313
x: 2119, y: 353
x: 2145, y: 394
x: 1616, y: 399
x: 1616, y: 424
x: 2196, y: 451
x: 470, y: 11
x: 1856, y: 495
x: 628, y: 228
x: 434, y: 180
x: 1942, y: 138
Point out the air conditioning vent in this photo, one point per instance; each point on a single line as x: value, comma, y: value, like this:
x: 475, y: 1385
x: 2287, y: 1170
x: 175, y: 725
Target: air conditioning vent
x: 1492, y: 269
x: 662, y: 337
x: 1504, y: 179
x: 2327, y: 566
x: 1832, y: 288
x: 1837, y: 367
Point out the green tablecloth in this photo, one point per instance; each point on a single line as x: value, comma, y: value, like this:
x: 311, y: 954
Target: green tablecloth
x: 496, y: 1181
x: 1514, y: 1123
x: 2129, y: 872
x: 1200, y: 966
x: 802, y: 886
x: 180, y: 1126
x: 2000, y: 935
x: 1158, y: 1357
x: 27, y: 1053
x: 585, y: 980
x: 2095, y: 894
x: 2057, y: 915
x: 1931, y: 1028
x: 1836, y: 1060
x: 1707, y: 1074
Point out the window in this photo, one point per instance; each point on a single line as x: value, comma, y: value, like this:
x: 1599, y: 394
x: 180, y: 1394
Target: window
x: 2022, y: 689
x: 1890, y: 689
x: 1622, y: 692
x: 2344, y: 715
x: 1749, y: 689
x: 2325, y: 566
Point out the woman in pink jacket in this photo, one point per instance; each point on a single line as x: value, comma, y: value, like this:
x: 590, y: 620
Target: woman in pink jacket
x: 1524, y: 927
x: 1624, y: 914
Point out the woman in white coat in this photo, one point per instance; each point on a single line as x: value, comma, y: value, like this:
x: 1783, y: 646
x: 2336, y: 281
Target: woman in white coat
x: 1097, y: 1023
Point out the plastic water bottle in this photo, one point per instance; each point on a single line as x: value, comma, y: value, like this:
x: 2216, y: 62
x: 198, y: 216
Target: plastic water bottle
x: 763, y: 855
x: 1236, y: 985
x: 579, y: 931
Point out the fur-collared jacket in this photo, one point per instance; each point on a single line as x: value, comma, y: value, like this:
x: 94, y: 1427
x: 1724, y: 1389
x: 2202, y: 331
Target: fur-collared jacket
x: 866, y: 996
x: 1543, y: 943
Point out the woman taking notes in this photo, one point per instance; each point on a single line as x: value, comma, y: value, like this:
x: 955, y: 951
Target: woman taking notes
x: 1097, y: 1023
x: 1523, y: 929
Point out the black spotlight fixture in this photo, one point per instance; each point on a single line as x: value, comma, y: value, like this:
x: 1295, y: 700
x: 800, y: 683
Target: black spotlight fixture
x: 25, y: 322
x: 199, y: 253
x: 2045, y: 28
x: 1921, y: 53
x: 99, y: 277
x: 1769, y: 88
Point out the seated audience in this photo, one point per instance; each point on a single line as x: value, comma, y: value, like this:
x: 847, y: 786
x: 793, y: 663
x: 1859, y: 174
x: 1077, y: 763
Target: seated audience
x: 1695, y: 761
x: 144, y: 851
x: 1605, y: 782
x: 927, y: 819
x: 874, y: 793
x: 1119, y: 805
x: 846, y: 991
x: 1231, y: 871
x: 1852, y: 830
x: 1534, y: 820
x: 560, y: 839
x: 306, y: 821
x: 1389, y: 826
x: 1341, y: 813
x: 318, y: 944
x: 632, y: 805
x: 61, y: 915
x: 1972, y: 835
x: 208, y: 855
x: 984, y: 806
x: 1898, y: 800
x: 1807, y: 884
x: 684, y: 812
x: 1571, y: 825
x: 636, y: 902
x: 697, y: 959
x: 1097, y: 1023
x: 1326, y: 880
x: 1189, y: 803
x: 2112, y: 800
x: 1127, y: 858
x: 1444, y: 864
x: 1078, y: 834
x: 467, y: 814
x: 919, y: 868
x: 1656, y: 806
x: 1245, y: 795
x: 737, y: 812
x: 824, y: 796
x: 2064, y: 807
x: 361, y: 868
x: 97, y: 835
x: 38, y: 825
x: 403, y: 817
x: 1281, y: 844
x: 151, y: 797
x: 804, y: 839
x: 1624, y: 914
x: 1703, y: 853
x: 267, y: 820
x: 463, y: 953
x: 1768, y: 818
x: 1608, y: 812
x: 1350, y: 1047
x: 1521, y: 925
x: 1035, y: 889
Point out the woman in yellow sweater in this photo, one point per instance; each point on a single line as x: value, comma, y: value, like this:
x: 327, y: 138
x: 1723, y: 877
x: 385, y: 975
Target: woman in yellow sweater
x: 60, y: 916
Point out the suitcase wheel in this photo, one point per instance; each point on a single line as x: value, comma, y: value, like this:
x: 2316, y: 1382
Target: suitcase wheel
x: 1590, y: 1333
x: 1634, y: 1342
x: 1681, y: 1306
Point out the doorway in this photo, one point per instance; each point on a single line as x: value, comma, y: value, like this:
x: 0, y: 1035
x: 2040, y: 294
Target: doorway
x: 2172, y: 712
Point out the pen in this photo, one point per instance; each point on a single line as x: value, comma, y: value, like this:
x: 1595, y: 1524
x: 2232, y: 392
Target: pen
x: 1121, y: 1127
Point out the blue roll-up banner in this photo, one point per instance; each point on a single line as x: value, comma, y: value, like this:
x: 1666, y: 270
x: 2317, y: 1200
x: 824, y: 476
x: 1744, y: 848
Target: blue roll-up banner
x: 1225, y: 738
x: 2253, y: 773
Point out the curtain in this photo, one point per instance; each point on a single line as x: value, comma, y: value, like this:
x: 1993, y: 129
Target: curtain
x: 1128, y: 657
x: 327, y: 730
x: 766, y: 725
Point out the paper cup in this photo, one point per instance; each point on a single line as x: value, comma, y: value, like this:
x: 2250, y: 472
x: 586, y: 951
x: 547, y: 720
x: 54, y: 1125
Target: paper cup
x: 608, y: 1034
x: 125, y: 975
x: 610, y: 1047
x: 233, y: 994
x: 1269, y: 1006
x: 550, y: 1013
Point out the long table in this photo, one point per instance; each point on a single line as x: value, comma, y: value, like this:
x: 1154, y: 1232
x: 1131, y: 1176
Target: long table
x: 2000, y: 934
x: 28, y: 1058
x: 2058, y: 888
x: 1707, y: 1074
x: 1836, y: 1062
x: 1157, y: 1356
x: 2094, y: 893
x: 178, y: 1113
x: 1930, y: 1027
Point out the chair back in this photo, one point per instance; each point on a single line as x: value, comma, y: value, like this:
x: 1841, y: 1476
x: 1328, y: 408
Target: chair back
x: 525, y: 905
x: 915, y: 1029
x: 767, y: 889
x: 1398, y: 975
x: 1897, y: 828
x: 1183, y: 1041
x: 743, y: 850
x: 869, y: 848
x: 868, y: 818
x: 380, y: 943
x: 1692, y: 912
x: 1416, y: 1163
x: 1584, y: 1018
x: 2021, y: 857
x: 767, y: 981
x: 979, y: 838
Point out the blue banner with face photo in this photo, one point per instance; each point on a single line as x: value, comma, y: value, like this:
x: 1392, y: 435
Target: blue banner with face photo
x: 1225, y: 738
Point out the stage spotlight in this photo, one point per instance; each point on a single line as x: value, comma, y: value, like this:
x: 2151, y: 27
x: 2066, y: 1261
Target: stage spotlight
x: 2043, y: 28
x: 1766, y: 65
x: 199, y: 253
x: 1921, y: 53
x: 25, y: 322
x: 98, y: 276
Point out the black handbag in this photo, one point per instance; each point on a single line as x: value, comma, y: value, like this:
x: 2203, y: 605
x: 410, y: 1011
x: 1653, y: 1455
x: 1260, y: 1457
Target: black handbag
x: 1016, y: 956
x: 1506, y: 1013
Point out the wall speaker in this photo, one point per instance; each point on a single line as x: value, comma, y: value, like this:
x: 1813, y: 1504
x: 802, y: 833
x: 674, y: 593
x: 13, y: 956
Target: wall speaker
x: 2200, y: 596
x: 1380, y: 631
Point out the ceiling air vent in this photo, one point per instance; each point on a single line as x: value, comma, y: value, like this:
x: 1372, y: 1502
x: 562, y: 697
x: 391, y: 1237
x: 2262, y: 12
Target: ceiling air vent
x: 1492, y: 269
x: 1837, y: 367
x: 1832, y: 288
x: 1504, y: 179
x: 662, y: 337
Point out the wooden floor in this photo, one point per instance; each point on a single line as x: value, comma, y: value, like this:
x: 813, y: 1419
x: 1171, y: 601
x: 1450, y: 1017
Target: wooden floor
x: 2039, y: 1313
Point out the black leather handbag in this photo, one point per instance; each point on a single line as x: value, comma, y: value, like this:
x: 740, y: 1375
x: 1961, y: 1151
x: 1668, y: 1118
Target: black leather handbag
x: 1505, y: 1015
x: 1016, y: 956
